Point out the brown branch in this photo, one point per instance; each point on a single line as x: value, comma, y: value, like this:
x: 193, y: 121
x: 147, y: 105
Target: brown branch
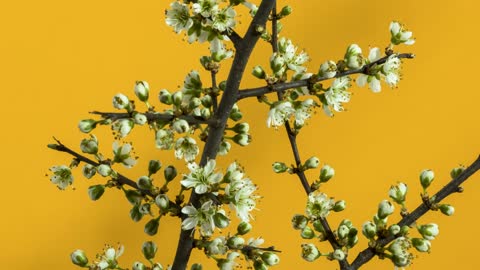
x: 281, y: 87
x: 452, y: 187
x: 151, y: 117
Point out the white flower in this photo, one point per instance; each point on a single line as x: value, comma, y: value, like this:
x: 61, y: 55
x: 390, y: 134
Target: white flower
x: 428, y: 231
x: 206, y: 8
x: 62, y: 176
x: 104, y: 170
x: 400, y: 34
x: 353, y: 57
x: 178, y: 17
x: 180, y: 125
x: 122, y: 154
x: 255, y: 242
x: 228, y: 263
x: 319, y: 205
x: 164, y: 139
x: 398, y: 192
x: 120, y: 101
x: 89, y: 171
x: 337, y: 94
x: 218, y: 50
x: 373, y: 78
x: 240, y: 193
x: 123, y: 126
x: 89, y: 146
x: 253, y: 8
x: 187, y: 148
x: 310, y: 252
x: 293, y: 60
x: 224, y: 20
x: 399, y: 249
x: 201, y: 178
x: 192, y: 86
x: 279, y: 113
x: 202, y: 217
x: 302, y: 111
x: 327, y: 69
x: 224, y: 148
x: 109, y: 258
x: 218, y: 246
x: 385, y: 208
x: 391, y: 70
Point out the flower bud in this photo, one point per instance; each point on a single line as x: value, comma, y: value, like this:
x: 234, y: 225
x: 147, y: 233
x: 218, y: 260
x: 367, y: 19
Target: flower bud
x: 310, y: 252
x: 170, y: 173
x: 327, y: 70
x: 299, y: 222
x: 149, y: 249
x: 207, y: 101
x: 220, y: 220
x: 89, y: 171
x: 428, y: 231
x: 87, y: 125
x: 311, y: 163
x: 270, y: 258
x: 120, y: 101
x: 385, y: 208
x: 243, y: 228
x: 394, y: 229
x: 123, y: 126
x: 89, y: 146
x: 151, y: 228
x: 353, y: 57
x: 277, y: 64
x: 141, y: 90
x: 398, y: 192
x: 286, y: 10
x: 144, y: 182
x: 326, y: 173
x: 241, y: 128
x: 162, y: 202
x: 339, y: 206
x: 224, y: 148
x: 140, y: 119
x: 317, y: 225
x: 259, y: 72
x: 447, y: 209
x: 165, y: 97
x: 104, y: 170
x: 259, y: 265
x: 236, y: 115
x: 455, y: 172
x: 235, y: 242
x: 95, y: 192
x: 180, y: 126
x: 154, y: 166
x: 196, y: 266
x: 138, y: 266
x: 338, y: 255
x: 279, y: 167
x: 369, y: 229
x: 421, y: 245
x: 177, y: 98
x: 222, y: 85
x: 79, y: 258
x: 307, y: 233
x: 134, y: 197
x: 194, y: 103
x: 426, y: 178
x: 242, y: 139
x: 205, y: 113
x: 144, y: 209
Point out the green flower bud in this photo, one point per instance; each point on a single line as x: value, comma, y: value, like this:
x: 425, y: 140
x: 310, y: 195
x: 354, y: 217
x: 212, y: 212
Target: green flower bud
x: 394, y: 229
x: 270, y: 258
x: 95, y: 192
x: 149, y: 249
x: 369, y: 229
x: 455, y: 172
x: 223, y: 85
x: 428, y: 231
x: 221, y: 221
x: 338, y: 255
x: 224, y: 148
x: 144, y: 209
x: 140, y: 119
x: 398, y: 193
x: 194, y: 103
x: 339, y: 206
x: 353, y: 57
x: 138, y: 266
x: 326, y: 173
x: 279, y: 167
x: 243, y: 228
x: 120, y: 101
x: 165, y: 97
x: 311, y: 163
x: 135, y: 213
x: 299, y: 221
x: 310, y: 252
x: 447, y: 209
x: 235, y: 242
x: 79, y: 258
x: 151, y: 228
x: 144, y: 182
x: 196, y: 266
x: 342, y: 231
x: 352, y: 241
x: 158, y: 266
x: 242, y: 139
x: 236, y: 116
x: 104, y: 170
x: 205, y: 113
x: 177, y: 98
x: 307, y: 233
x: 133, y: 196
x: 206, y: 61
x: 207, y: 101
x: 426, y: 178
x: 153, y: 167
x: 89, y: 146
x: 141, y: 90
x: 241, y: 128
x: 259, y: 72
x: 317, y: 225
x: 277, y: 64
x: 89, y: 171
x: 259, y: 265
x: 170, y: 173
x: 385, y: 208
x: 87, y: 125
x: 421, y: 245
x: 286, y: 10
x: 162, y: 202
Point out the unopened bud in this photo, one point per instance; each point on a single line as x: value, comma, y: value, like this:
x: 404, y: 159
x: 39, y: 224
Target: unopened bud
x: 149, y: 249
x: 142, y: 90
x: 326, y: 173
x: 144, y: 182
x: 421, y: 245
x: 120, y: 101
x: 87, y: 125
x: 154, y: 166
x: 170, y: 173
x: 244, y: 228
x: 455, y: 172
x: 299, y: 222
x: 165, y: 97
x: 221, y: 221
x: 259, y: 72
x: 369, y: 229
x: 311, y: 163
x: 79, y: 258
x: 242, y: 139
x: 307, y: 233
x: 235, y: 242
x: 310, y: 252
x: 270, y: 258
x: 95, y: 192
x: 279, y: 167
x: 338, y: 255
x: 138, y: 266
x: 385, y: 208
x: 162, y: 202
x: 447, y: 209
x: 426, y: 178
x: 339, y: 206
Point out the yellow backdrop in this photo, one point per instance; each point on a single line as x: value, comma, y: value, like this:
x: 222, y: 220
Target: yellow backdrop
x: 61, y: 59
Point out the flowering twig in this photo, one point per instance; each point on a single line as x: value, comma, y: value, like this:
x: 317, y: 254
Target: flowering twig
x: 452, y: 187
x: 151, y: 116
x: 281, y: 87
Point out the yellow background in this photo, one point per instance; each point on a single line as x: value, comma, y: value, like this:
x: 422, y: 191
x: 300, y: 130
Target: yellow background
x: 61, y: 59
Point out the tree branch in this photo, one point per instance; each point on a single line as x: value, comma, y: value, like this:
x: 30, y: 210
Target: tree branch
x: 216, y: 130
x: 151, y: 116
x: 452, y: 187
x: 281, y: 87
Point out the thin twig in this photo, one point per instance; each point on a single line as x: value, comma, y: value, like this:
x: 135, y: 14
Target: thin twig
x: 152, y: 117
